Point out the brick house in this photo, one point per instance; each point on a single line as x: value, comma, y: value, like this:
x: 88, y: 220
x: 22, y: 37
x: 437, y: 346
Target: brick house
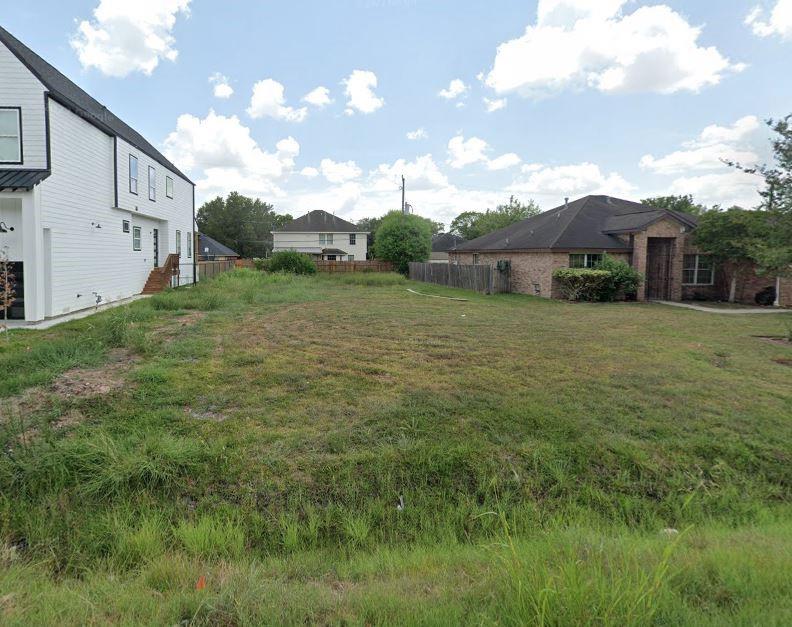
x: 657, y: 242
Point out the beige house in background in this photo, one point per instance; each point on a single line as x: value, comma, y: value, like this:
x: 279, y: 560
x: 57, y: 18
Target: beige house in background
x: 323, y: 236
x: 657, y: 242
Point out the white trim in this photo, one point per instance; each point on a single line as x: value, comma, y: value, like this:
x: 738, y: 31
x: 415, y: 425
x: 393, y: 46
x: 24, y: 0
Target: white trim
x: 18, y: 135
x: 696, y: 271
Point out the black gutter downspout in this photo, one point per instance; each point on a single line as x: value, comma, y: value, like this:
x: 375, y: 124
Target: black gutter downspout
x: 115, y: 170
x: 194, y: 238
x: 47, y: 130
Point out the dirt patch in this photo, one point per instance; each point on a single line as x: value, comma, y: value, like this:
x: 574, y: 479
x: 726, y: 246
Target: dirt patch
x: 210, y: 413
x: 775, y: 339
x: 177, y: 324
x: 783, y: 361
x: 83, y: 383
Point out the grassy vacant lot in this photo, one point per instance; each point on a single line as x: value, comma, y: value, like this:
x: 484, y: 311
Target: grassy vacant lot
x: 235, y: 454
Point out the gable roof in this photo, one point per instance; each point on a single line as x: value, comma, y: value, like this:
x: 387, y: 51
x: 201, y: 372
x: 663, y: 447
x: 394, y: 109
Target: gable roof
x: 318, y: 222
x: 590, y: 222
x: 74, y: 98
x: 443, y: 242
x: 216, y: 249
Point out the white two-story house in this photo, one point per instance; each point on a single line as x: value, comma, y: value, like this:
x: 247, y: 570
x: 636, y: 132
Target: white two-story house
x: 90, y: 212
x: 323, y: 236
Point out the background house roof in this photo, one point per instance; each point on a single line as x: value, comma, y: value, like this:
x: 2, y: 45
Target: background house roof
x: 587, y: 222
x: 333, y: 251
x: 73, y: 97
x: 443, y: 242
x: 318, y: 222
x: 216, y: 249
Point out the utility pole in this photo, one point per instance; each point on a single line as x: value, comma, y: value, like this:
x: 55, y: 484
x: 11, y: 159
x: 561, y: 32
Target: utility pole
x: 404, y: 205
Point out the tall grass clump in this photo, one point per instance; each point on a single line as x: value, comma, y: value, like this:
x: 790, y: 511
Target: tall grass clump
x: 212, y: 537
x: 369, y: 279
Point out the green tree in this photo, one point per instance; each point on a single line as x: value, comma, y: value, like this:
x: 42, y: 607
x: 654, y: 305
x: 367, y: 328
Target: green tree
x: 773, y: 251
x: 473, y: 224
x: 683, y: 204
x: 371, y: 225
x: 241, y: 223
x: 402, y: 238
x: 730, y: 238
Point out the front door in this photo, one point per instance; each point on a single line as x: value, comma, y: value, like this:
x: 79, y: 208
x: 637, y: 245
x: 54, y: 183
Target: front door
x: 156, y: 248
x: 659, y: 253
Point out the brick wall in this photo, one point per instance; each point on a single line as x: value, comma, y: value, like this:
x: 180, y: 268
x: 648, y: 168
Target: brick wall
x: 682, y: 246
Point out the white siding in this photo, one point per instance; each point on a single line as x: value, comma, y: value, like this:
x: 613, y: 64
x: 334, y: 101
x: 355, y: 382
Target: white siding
x: 79, y: 195
x: 299, y: 241
x: 20, y: 88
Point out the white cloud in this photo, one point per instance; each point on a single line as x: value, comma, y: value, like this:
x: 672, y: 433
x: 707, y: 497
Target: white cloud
x: 221, y: 154
x: 462, y: 152
x: 495, y: 104
x: 125, y: 37
x: 419, y: 133
x: 705, y: 175
x: 309, y: 172
x: 359, y: 89
x: 339, y: 172
x: 574, y: 180
x: 778, y: 23
x: 509, y: 160
x: 222, y: 86
x: 268, y: 100
x: 319, y: 97
x: 587, y: 43
x: 421, y: 174
x: 455, y: 89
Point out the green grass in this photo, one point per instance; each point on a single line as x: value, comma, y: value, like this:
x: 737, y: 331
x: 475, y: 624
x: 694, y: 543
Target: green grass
x: 268, y: 424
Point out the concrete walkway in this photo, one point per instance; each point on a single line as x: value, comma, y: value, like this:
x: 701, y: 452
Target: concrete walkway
x: 76, y: 315
x: 730, y: 311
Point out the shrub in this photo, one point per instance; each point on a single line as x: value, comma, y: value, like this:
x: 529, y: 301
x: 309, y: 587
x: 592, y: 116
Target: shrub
x: 582, y: 283
x: 292, y: 261
x: 261, y: 264
x: 403, y: 238
x: 624, y: 280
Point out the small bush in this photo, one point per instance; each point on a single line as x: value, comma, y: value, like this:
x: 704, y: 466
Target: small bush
x: 624, y: 280
x: 582, y: 283
x: 292, y: 261
x: 261, y: 264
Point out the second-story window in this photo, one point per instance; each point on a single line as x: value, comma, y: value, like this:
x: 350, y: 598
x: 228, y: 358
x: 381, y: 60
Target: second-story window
x: 152, y: 183
x: 133, y: 174
x: 352, y: 239
x: 169, y: 187
x: 325, y: 238
x: 10, y: 135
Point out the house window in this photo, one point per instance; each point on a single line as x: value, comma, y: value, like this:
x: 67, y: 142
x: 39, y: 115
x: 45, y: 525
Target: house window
x: 350, y: 257
x: 169, y: 187
x: 136, y: 238
x: 475, y: 259
x: 697, y: 270
x: 125, y: 226
x: 178, y: 243
x: 585, y: 260
x: 325, y: 238
x: 133, y: 174
x: 152, y: 183
x: 331, y: 257
x: 352, y: 239
x: 10, y: 135
x: 189, y: 245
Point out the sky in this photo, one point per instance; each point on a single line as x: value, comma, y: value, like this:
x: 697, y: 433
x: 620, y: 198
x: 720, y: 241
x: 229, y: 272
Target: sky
x: 325, y: 104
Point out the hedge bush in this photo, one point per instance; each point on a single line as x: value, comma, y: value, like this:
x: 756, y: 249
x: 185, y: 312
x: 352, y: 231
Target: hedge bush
x: 610, y: 280
x: 292, y: 261
x: 624, y: 280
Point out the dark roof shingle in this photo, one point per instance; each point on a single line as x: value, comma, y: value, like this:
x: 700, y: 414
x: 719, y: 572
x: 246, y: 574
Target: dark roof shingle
x: 443, y: 242
x: 318, y: 222
x: 215, y: 248
x: 587, y: 222
x: 70, y: 95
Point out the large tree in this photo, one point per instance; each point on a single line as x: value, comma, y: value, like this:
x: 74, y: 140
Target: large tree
x: 473, y: 224
x: 682, y: 203
x: 730, y: 238
x: 241, y: 223
x: 402, y: 238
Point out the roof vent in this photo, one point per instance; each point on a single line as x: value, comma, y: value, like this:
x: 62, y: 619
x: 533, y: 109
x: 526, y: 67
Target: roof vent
x: 566, y: 202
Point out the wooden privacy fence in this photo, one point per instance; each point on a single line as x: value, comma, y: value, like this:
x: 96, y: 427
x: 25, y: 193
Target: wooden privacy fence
x: 209, y: 269
x: 244, y: 263
x: 480, y: 278
x: 354, y: 266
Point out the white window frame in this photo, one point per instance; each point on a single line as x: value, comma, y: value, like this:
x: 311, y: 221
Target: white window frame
x: 169, y: 187
x: 133, y: 179
x: 475, y: 259
x: 353, y: 239
x: 696, y: 269
x: 137, y: 238
x: 18, y: 136
x: 326, y: 239
x: 588, y: 262
x: 178, y: 242
x: 189, y: 245
x: 125, y: 226
x: 152, y: 183
x: 350, y: 257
